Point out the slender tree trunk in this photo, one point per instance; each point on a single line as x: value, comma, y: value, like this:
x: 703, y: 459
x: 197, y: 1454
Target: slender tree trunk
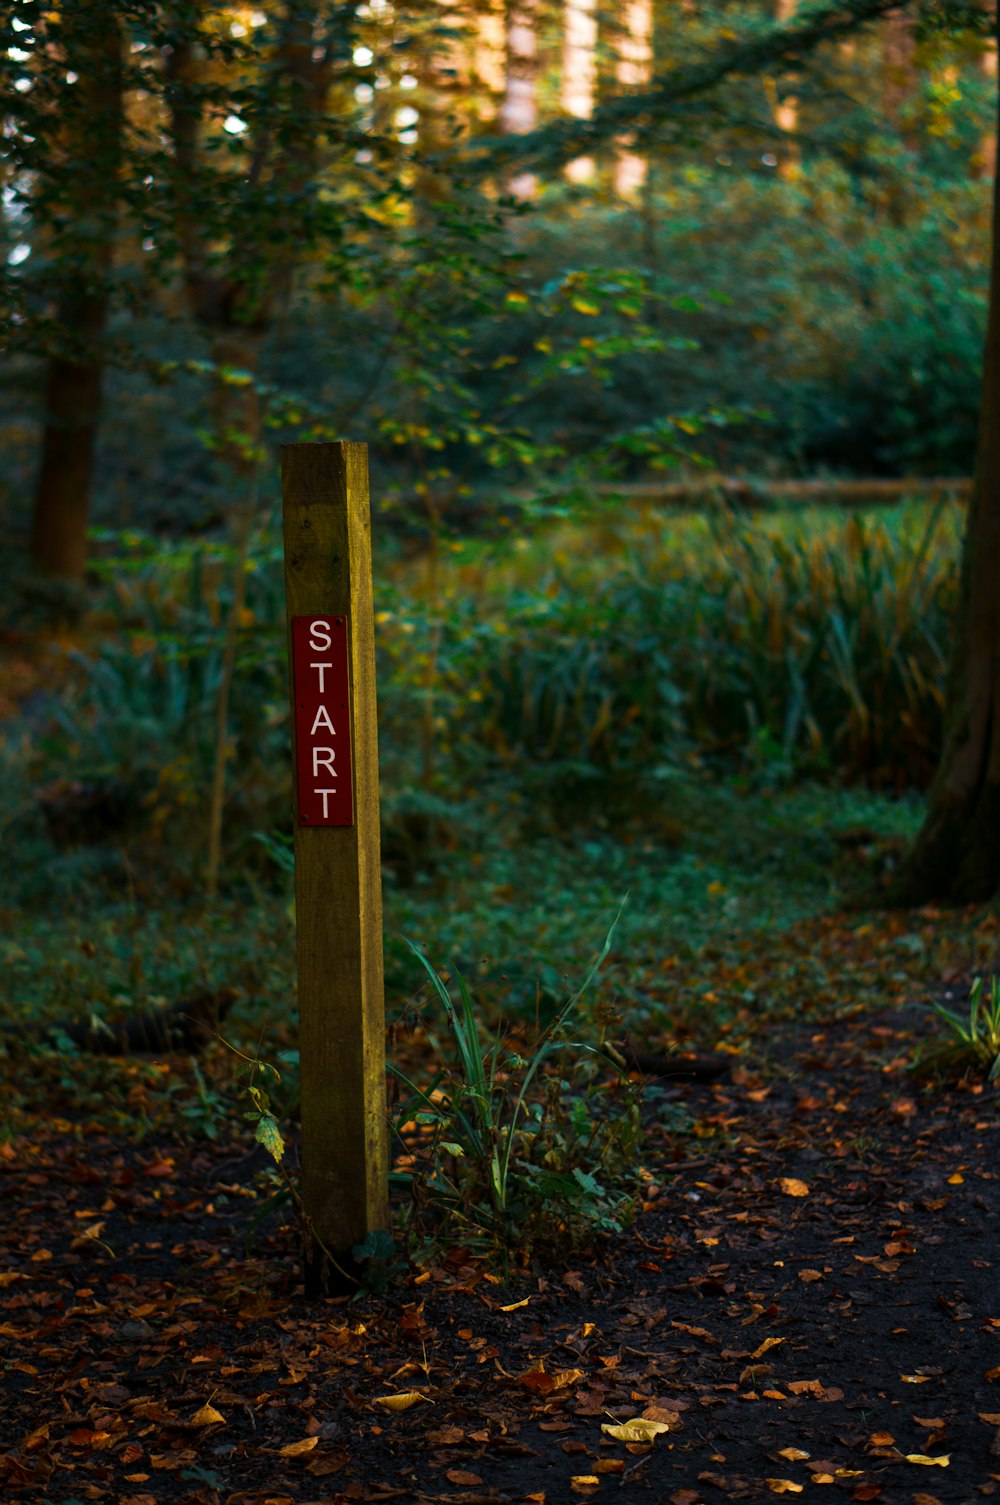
x: 87, y: 193
x: 899, y: 73
x: 633, y: 70
x: 579, y: 73
x: 786, y: 111
x: 519, y: 111
x: 956, y: 856
x: 986, y: 162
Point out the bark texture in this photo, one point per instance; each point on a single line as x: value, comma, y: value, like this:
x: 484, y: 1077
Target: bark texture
x: 956, y: 856
x: 85, y: 192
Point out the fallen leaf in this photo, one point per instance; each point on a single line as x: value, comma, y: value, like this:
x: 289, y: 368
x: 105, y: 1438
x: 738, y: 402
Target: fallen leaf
x: 296, y: 1449
x: 784, y: 1486
x: 810, y: 1275
x: 881, y: 1440
x: 462, y: 1476
x: 639, y: 1429
x: 207, y: 1416
x: 611, y: 1466
x: 794, y: 1455
x: 445, y: 1437
x: 932, y: 1423
x: 992, y: 1374
x: 918, y: 1379
x: 941, y: 1462
x: 516, y: 1306
x: 792, y: 1187
x: 922, y: 1499
x: 991, y: 1418
x: 765, y: 1347
x: 584, y: 1481
x: 401, y: 1402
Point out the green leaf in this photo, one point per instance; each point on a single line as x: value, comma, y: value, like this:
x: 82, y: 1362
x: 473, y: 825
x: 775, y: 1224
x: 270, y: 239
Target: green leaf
x: 269, y: 1135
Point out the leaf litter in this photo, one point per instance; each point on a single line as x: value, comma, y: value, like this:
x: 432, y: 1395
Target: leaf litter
x: 805, y: 1257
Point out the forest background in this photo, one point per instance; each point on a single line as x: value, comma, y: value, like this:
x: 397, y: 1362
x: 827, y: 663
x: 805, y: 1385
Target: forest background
x: 545, y: 259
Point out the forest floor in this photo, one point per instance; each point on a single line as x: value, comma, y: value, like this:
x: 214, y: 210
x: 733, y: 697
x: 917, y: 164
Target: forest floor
x: 809, y: 1297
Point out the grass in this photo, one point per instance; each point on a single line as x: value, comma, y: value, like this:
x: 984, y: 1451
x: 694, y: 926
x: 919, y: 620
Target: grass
x: 515, y: 822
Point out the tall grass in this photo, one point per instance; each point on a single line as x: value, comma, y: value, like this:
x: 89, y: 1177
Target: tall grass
x: 584, y: 664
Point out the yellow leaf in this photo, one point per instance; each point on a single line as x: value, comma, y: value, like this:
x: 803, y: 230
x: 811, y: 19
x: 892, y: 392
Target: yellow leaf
x: 794, y: 1455
x: 766, y: 1346
x: 792, y: 1187
x: 921, y: 1379
x: 515, y: 297
x: 639, y: 1429
x: 207, y: 1416
x: 296, y: 1449
x: 516, y: 1306
x: 401, y: 1402
x: 784, y: 1486
x: 957, y: 1179
x: 583, y: 306
x: 941, y: 1462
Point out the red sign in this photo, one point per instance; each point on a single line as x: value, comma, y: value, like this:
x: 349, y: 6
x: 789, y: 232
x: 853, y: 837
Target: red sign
x: 321, y: 687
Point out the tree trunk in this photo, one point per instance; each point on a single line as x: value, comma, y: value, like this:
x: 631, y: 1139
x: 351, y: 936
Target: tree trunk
x: 899, y: 73
x: 634, y: 66
x: 786, y: 110
x: 956, y: 856
x: 519, y: 111
x: 579, y: 73
x: 86, y: 196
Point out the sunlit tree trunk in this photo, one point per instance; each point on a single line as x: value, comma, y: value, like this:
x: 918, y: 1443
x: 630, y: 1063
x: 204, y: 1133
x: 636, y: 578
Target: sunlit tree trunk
x: 632, y: 71
x: 86, y: 194
x: 579, y: 73
x: 786, y: 110
x: 519, y: 111
x: 956, y: 856
x: 490, y: 59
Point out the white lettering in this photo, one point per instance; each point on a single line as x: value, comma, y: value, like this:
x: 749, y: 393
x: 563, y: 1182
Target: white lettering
x: 324, y: 756
x: 322, y: 676
x: 323, y: 628
x: 324, y: 793
x: 323, y: 720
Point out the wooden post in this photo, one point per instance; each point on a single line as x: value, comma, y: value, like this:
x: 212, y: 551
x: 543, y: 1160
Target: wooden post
x: 338, y: 885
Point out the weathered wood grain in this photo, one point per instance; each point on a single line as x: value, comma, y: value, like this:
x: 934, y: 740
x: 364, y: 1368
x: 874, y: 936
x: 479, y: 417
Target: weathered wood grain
x: 338, y: 888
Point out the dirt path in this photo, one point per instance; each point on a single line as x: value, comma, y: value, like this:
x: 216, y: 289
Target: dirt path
x: 813, y: 1301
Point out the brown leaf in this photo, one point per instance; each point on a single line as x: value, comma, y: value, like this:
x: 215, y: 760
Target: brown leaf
x: 881, y: 1440
x: 462, y: 1476
x: 810, y: 1275
x: 932, y: 1423
x: 296, y: 1449
x: 537, y: 1379
x: 445, y: 1437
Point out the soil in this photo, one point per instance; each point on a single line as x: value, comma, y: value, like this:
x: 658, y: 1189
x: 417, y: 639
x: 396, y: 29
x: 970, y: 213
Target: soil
x: 810, y: 1298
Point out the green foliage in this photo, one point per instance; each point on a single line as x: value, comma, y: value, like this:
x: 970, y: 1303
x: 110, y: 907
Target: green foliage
x: 518, y: 1150
x: 971, y: 1044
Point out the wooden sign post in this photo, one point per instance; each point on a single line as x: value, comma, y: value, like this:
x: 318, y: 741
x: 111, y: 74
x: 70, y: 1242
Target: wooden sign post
x: 338, y: 884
